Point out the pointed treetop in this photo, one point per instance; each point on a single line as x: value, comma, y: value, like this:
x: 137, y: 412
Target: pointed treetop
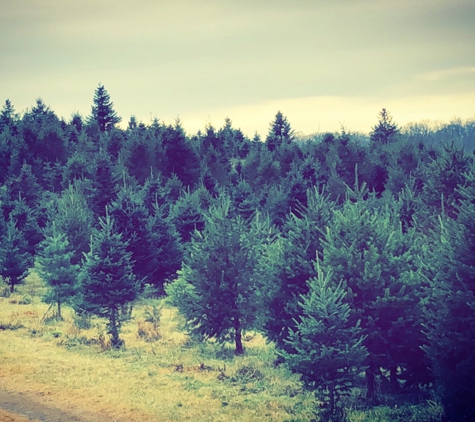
x: 102, y: 111
x: 386, y: 130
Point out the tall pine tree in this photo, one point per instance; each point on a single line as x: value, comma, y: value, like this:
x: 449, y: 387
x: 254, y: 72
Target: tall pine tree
x: 103, y: 110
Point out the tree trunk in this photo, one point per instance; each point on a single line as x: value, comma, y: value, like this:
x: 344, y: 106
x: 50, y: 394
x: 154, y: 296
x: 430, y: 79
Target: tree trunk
x: 393, y: 378
x: 12, y: 285
x: 239, y: 349
x: 371, y: 391
x: 59, y: 310
x: 331, y: 393
x: 116, y: 343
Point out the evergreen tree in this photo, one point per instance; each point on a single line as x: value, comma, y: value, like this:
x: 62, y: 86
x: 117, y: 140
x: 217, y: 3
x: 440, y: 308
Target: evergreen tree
x: 103, y: 110
x: 103, y: 183
x: 280, y: 132
x: 181, y: 159
x: 450, y: 306
x: 187, y: 214
x: 165, y: 249
x: 43, y: 137
x: 131, y: 218
x: 154, y: 192
x: 302, y: 244
x: 73, y: 217
x: 107, y: 281
x: 443, y: 175
x: 25, y: 187
x: 386, y: 130
x: 9, y: 118
x: 365, y: 248
x: 16, y: 260
x: 225, y: 276
x: 326, y: 348
x: 56, y: 269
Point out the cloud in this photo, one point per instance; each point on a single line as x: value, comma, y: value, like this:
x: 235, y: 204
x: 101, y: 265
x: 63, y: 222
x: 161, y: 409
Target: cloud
x: 438, y: 75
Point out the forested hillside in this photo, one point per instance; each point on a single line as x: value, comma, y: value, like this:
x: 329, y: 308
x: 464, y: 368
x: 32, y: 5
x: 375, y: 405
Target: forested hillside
x: 354, y: 254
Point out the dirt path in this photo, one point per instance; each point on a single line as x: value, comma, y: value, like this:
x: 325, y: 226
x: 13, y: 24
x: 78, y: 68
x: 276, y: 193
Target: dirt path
x: 22, y: 407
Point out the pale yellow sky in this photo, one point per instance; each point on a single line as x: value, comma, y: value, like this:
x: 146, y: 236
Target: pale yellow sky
x: 322, y: 63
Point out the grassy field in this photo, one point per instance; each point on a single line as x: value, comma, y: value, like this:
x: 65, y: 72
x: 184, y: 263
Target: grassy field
x: 161, y: 375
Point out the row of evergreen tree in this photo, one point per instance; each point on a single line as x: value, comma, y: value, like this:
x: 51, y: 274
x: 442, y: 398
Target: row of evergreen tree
x: 352, y: 254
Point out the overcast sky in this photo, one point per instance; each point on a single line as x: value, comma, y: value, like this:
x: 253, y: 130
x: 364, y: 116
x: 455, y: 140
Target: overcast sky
x: 323, y: 63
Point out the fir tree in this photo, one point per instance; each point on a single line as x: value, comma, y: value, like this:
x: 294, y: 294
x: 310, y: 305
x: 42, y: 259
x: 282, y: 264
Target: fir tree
x: 103, y: 110
x: 56, y: 268
x: 103, y: 183
x: 187, y: 215
x: 16, y: 260
x: 43, y: 138
x: 166, y: 251
x: 107, y: 281
x: 450, y: 305
x: 280, y: 132
x: 302, y: 244
x: 131, y: 218
x: 73, y: 217
x: 385, y: 131
x: 326, y: 348
x: 365, y: 248
x: 9, y: 118
x: 225, y: 276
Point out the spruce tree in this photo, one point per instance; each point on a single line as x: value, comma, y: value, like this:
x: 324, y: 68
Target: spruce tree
x: 103, y: 110
x: 280, y: 132
x: 56, y: 268
x: 103, y: 183
x: 450, y: 305
x: 187, y: 214
x: 301, y: 244
x: 365, y: 247
x: 165, y: 250
x: 16, y: 260
x: 225, y: 276
x: 386, y: 130
x: 9, y: 118
x: 325, y: 346
x: 131, y: 217
x: 73, y: 217
x: 107, y: 281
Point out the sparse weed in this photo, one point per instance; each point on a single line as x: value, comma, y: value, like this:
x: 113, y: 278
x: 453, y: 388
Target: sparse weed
x: 429, y: 411
x: 82, y: 321
x: 11, y: 323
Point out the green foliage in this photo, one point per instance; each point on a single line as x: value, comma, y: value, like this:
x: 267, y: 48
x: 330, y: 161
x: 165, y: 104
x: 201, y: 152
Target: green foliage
x: 187, y: 214
x: 385, y: 131
x: 327, y: 349
x: 166, y: 250
x: 107, y: 279
x: 226, y: 274
x: 280, y: 132
x: 450, y: 306
x: 73, y: 217
x: 56, y: 268
x: 377, y: 263
x: 102, y: 111
x: 302, y: 244
x: 15, y: 260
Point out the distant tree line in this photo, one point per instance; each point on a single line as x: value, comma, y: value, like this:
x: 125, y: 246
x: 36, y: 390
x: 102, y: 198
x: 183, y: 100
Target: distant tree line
x: 352, y: 254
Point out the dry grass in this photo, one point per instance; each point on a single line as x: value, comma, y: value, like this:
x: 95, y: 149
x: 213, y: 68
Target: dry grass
x: 162, y: 375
